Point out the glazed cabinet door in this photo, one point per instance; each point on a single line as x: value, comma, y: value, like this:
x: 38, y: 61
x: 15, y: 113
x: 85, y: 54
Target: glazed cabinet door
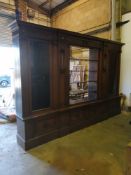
x: 40, y: 74
x: 113, y: 69
x: 84, y: 74
x: 109, y: 70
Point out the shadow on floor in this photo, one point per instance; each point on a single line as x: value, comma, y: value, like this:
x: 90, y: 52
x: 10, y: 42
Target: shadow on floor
x: 96, y: 150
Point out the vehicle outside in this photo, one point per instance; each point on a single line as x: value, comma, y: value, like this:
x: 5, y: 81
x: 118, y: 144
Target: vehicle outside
x: 5, y: 80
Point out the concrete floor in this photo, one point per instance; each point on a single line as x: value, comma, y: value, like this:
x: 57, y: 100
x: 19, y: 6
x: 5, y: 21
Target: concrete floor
x: 96, y: 150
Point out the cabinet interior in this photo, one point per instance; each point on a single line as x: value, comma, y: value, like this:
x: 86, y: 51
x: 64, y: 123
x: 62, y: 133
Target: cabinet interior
x: 83, y: 74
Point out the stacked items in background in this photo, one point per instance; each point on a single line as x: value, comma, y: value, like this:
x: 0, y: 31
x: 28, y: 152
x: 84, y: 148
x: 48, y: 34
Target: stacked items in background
x: 78, y: 72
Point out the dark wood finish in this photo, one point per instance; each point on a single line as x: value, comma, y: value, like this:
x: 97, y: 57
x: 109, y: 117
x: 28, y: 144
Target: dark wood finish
x: 52, y: 116
x: 57, y: 123
x: 40, y: 73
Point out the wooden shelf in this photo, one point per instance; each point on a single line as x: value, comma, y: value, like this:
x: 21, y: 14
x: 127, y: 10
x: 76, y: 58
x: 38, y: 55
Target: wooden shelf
x: 78, y: 59
x: 80, y: 95
x: 78, y: 71
x: 76, y: 49
x: 83, y: 82
x: 83, y: 71
x: 79, y: 82
x: 81, y: 59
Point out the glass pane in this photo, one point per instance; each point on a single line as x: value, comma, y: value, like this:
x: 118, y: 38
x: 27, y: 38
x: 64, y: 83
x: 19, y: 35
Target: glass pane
x: 40, y: 75
x: 83, y: 74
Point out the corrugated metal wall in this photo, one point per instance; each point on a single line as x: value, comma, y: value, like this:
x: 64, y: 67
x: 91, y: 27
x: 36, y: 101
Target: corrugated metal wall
x: 5, y: 32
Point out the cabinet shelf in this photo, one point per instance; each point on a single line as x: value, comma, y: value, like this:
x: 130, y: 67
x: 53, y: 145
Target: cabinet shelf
x: 81, y: 91
x: 78, y: 71
x: 82, y: 82
x: 82, y: 59
x: 81, y: 94
x: 80, y: 49
x: 83, y: 71
x: 78, y: 93
x: 79, y: 82
x: 78, y: 59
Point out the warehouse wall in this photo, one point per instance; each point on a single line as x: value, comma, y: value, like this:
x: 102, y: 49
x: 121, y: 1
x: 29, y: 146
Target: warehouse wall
x: 39, y: 18
x: 9, y: 2
x: 125, y: 81
x: 85, y: 16
x: 22, y: 6
x: 126, y: 6
x: 7, y: 5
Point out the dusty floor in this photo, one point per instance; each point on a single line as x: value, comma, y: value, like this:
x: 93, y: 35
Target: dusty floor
x: 96, y: 150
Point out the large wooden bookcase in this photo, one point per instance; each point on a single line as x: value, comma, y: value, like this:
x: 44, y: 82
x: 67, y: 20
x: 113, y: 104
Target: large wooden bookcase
x: 64, y: 81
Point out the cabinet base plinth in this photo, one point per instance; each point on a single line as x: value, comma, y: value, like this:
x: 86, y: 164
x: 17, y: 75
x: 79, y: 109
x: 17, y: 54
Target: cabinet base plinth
x: 36, y: 131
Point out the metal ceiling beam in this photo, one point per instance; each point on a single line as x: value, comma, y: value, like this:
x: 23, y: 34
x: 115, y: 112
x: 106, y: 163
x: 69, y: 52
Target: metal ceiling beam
x: 41, y: 6
x: 44, y: 3
x: 62, y: 6
x: 35, y: 6
x: 7, y: 6
x: 47, y: 12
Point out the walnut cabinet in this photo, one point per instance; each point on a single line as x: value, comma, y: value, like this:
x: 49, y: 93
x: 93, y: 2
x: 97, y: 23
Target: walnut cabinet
x: 65, y: 81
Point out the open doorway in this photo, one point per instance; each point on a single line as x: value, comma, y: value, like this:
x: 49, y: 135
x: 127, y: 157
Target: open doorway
x: 7, y: 68
x: 7, y: 91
